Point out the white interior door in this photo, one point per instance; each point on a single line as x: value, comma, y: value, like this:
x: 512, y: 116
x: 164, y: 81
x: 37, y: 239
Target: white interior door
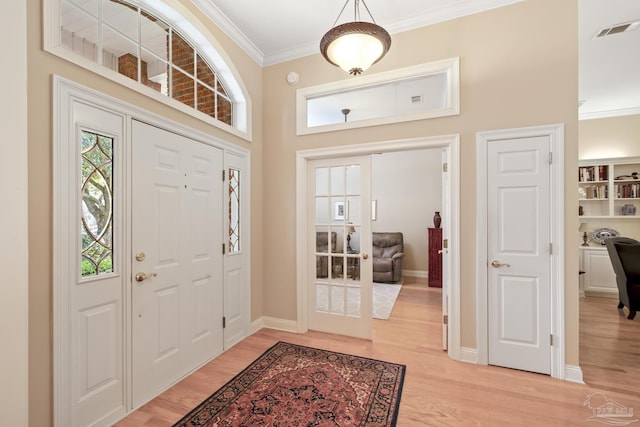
x: 177, y: 265
x: 340, y: 272
x: 519, y: 272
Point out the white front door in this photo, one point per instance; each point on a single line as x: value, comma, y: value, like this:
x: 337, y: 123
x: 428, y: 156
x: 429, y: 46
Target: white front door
x: 518, y: 248
x: 340, y: 269
x: 177, y: 257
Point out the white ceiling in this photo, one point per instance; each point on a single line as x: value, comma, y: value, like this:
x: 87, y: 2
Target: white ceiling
x: 279, y: 30
x: 609, y: 66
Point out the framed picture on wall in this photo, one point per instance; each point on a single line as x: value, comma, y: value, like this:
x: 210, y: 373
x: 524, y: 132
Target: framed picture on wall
x: 338, y: 211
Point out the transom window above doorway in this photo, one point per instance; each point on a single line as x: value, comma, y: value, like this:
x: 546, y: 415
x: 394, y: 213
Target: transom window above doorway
x: 151, y: 48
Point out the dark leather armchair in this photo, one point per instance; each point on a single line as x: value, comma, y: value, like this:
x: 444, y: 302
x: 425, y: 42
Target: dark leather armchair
x: 388, y: 250
x: 625, y: 259
x: 322, y: 246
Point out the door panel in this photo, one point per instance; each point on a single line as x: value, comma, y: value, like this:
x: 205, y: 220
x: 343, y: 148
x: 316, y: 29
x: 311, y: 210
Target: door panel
x: 177, y: 226
x: 96, y: 361
x: 340, y: 270
x: 519, y: 258
x: 237, y: 294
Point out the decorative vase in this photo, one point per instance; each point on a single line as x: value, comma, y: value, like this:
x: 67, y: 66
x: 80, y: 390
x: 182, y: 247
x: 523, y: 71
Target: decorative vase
x: 437, y: 220
x: 628, y: 209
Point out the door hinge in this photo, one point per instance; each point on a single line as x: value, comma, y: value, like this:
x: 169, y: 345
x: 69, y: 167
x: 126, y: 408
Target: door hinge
x: 551, y: 339
x: 550, y: 158
x: 223, y: 175
x: 445, y: 319
x: 445, y: 244
x: 224, y: 322
x: 223, y: 249
x: 445, y: 167
x: 551, y: 248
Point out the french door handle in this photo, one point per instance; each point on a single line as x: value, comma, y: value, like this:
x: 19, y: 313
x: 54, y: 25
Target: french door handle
x: 365, y: 256
x: 498, y: 264
x: 141, y: 277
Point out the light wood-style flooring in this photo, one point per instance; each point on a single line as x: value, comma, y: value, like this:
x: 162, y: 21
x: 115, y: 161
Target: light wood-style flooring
x: 439, y: 391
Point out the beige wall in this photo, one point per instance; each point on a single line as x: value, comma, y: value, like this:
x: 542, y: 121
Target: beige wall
x: 408, y: 188
x: 609, y: 137
x: 13, y: 221
x: 519, y: 67
x: 41, y: 67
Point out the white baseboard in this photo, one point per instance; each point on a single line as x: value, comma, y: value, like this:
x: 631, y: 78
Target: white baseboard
x: 468, y: 355
x: 573, y: 373
x: 274, y: 323
x: 256, y: 325
x: 415, y: 273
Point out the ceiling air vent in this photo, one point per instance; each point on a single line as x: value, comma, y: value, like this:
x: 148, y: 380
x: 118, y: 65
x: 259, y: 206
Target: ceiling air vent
x: 618, y: 28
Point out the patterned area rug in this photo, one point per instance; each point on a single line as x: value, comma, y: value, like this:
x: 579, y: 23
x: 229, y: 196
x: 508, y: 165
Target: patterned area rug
x: 292, y: 385
x: 384, y: 298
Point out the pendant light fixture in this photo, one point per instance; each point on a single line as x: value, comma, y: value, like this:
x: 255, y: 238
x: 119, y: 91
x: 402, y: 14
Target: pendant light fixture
x: 357, y: 45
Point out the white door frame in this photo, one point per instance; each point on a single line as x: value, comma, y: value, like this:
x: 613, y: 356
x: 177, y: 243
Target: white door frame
x: 65, y: 94
x: 555, y: 133
x: 452, y: 143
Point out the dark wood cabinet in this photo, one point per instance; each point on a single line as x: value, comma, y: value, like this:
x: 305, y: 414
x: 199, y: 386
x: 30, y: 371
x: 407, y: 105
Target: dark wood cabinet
x: 435, y: 257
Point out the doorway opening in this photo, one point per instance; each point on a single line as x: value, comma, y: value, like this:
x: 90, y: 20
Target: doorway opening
x: 450, y: 216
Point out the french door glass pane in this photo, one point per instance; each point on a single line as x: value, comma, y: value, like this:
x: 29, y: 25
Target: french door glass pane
x: 338, y: 220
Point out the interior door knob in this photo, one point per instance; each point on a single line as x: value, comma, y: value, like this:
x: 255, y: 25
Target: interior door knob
x: 365, y: 256
x: 141, y: 277
x: 498, y: 264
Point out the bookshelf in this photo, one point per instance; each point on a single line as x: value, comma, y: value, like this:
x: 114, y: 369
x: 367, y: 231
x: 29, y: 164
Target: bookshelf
x: 609, y: 188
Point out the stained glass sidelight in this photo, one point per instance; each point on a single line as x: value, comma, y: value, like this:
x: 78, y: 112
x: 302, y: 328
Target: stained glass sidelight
x: 97, y: 204
x: 234, y: 210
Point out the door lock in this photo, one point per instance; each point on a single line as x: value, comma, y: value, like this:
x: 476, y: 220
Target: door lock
x: 141, y: 277
x: 140, y: 256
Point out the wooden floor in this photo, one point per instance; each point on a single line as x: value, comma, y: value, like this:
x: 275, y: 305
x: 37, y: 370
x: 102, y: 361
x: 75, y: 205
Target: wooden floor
x: 439, y: 391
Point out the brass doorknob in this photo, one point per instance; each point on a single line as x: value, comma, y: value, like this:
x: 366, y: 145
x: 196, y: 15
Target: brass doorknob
x: 140, y: 277
x: 498, y: 264
x: 365, y: 256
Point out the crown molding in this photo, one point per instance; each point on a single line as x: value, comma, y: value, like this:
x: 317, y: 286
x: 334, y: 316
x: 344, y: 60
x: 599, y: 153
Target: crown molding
x: 609, y: 113
x: 229, y: 28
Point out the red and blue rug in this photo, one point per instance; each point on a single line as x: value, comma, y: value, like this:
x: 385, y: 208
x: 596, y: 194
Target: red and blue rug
x: 293, y: 385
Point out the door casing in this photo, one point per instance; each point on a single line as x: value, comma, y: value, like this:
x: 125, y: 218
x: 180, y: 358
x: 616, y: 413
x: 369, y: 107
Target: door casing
x: 555, y: 133
x: 452, y: 144
x: 66, y: 93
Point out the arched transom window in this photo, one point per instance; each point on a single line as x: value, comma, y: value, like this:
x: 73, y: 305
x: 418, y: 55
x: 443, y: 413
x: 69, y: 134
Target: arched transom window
x: 132, y: 39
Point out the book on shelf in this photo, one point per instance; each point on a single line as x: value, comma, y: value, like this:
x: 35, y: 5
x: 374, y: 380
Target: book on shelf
x: 593, y: 173
x: 627, y: 191
x: 597, y: 192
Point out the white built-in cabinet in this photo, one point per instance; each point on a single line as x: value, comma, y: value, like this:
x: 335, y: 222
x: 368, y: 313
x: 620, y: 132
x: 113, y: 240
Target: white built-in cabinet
x: 599, y: 279
x: 608, y: 197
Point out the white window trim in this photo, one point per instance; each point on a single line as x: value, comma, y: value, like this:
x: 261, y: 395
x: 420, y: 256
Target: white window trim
x: 179, y: 17
x: 449, y: 66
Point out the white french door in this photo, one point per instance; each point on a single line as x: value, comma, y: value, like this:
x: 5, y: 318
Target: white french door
x: 518, y: 249
x: 339, y: 236
x: 177, y: 304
